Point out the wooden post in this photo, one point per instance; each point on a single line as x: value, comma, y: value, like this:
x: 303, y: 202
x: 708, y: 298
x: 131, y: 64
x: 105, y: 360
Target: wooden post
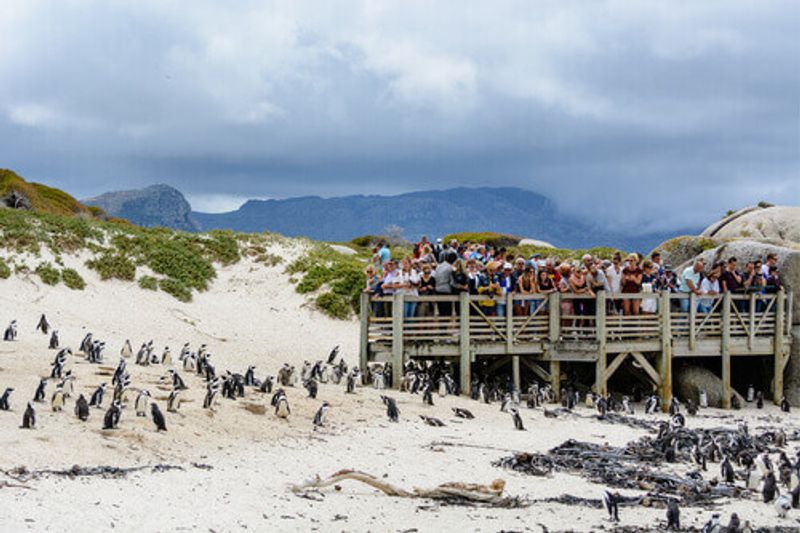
x: 780, y: 324
x: 665, y: 362
x: 397, y: 340
x: 726, y: 350
x: 692, y: 321
x: 464, y: 366
x: 554, y: 307
x: 555, y: 378
x: 601, y: 385
x: 510, y: 341
x: 752, y: 326
x: 363, y: 345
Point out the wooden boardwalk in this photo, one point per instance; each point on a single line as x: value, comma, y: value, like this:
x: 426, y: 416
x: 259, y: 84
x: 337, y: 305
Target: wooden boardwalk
x: 737, y: 325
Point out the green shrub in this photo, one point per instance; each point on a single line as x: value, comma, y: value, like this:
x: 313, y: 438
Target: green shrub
x: 112, y: 265
x: 270, y: 260
x: 5, y: 270
x: 149, y: 283
x: 48, y: 273
x: 491, y: 238
x: 72, y: 279
x: 341, y: 275
x: 334, y: 305
x: 177, y: 289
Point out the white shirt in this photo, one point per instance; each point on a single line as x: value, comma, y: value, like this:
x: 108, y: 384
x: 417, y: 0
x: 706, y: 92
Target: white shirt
x: 707, y: 286
x: 614, y: 279
x: 408, y: 277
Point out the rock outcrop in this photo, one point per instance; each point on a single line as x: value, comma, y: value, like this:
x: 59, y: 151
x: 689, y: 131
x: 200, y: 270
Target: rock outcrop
x: 775, y: 224
x: 157, y: 205
x: 691, y: 380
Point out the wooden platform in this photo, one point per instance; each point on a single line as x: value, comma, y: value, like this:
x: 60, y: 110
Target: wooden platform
x: 737, y: 325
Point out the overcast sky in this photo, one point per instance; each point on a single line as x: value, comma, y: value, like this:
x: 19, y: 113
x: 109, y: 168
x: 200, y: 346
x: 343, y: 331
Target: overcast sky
x: 659, y: 114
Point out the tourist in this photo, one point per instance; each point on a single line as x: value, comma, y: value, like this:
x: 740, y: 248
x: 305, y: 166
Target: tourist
x: 650, y: 281
x: 690, y: 283
x: 526, y: 285
x: 710, y: 286
x: 580, y: 287
x: 506, y: 282
x: 445, y: 281
x: 567, y: 306
x: 408, y: 285
x: 427, y: 287
x: 614, y: 277
x: 771, y: 260
x: 772, y: 282
x: 489, y: 286
x: 631, y: 284
x: 384, y: 252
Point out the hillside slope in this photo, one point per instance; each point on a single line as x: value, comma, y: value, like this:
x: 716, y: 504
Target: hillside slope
x: 44, y: 199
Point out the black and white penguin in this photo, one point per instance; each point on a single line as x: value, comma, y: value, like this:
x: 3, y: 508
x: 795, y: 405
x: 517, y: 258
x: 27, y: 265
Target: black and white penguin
x: 177, y: 381
x: 333, y: 354
x: 57, y: 399
x: 785, y: 407
x: 691, y: 407
x: 713, y: 525
x: 432, y: 421
x: 96, y: 399
x: 142, y: 399
x: 760, y: 400
x: 266, y: 385
x: 352, y: 376
x: 611, y: 503
x: 82, y: 408
x: 770, y: 488
x: 29, y: 418
x: 43, y: 325
x: 5, y: 404
x: 11, y: 332
x: 158, y: 417
x: 112, y: 416
x: 652, y: 405
x: 173, y: 401
x: 726, y: 471
x: 673, y: 515
x: 282, y: 409
x: 427, y: 393
x: 463, y: 413
x: 166, y: 356
x: 250, y: 376
x: 674, y: 407
x: 391, y: 408
x: 86, y: 344
x: 322, y: 414
x: 751, y: 394
x: 38, y: 396
x: 312, y: 387
x: 515, y: 416
x: 54, y: 341
x: 782, y: 505
x: 127, y: 350
x: 211, y: 393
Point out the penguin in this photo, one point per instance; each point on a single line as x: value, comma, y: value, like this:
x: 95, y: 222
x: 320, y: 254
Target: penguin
x: 38, y: 396
x: 751, y: 393
x: 112, y: 416
x: 54, y: 341
x: 611, y: 503
x: 177, y: 381
x: 351, y: 381
x: 127, y: 350
x: 67, y: 384
x: 211, y: 394
x: 431, y: 421
x: 463, y: 413
x: 57, y: 400
x: 427, y: 393
x: 166, y: 356
x: 333, y: 354
x: 82, y: 408
x: 726, y: 471
x: 29, y: 418
x: 442, y: 388
x: 674, y: 407
x: 796, y: 497
x: 266, y: 385
x: 174, y: 402
x: 735, y: 403
x: 5, y: 405
x: 673, y: 516
x: 282, y: 406
x: 760, y: 400
x: 782, y: 505
x: 312, y: 387
x: 391, y: 408
x: 770, y: 488
x: 86, y: 344
x: 651, y: 405
x: 285, y: 375
x: 158, y: 417
x: 713, y: 525
x: 785, y: 407
x: 691, y: 407
x: 321, y: 416
x: 516, y: 418
x: 250, y: 376
x: 141, y: 402
x: 11, y: 332
x: 96, y: 399
x: 43, y: 325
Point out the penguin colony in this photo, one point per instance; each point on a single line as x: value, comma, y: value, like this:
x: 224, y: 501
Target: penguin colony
x: 776, y: 481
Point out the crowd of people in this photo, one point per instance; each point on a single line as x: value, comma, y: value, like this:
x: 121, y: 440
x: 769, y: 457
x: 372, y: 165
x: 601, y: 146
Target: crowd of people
x: 480, y: 269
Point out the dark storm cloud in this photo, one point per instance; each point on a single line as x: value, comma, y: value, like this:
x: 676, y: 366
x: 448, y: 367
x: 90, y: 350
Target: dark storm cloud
x: 658, y: 115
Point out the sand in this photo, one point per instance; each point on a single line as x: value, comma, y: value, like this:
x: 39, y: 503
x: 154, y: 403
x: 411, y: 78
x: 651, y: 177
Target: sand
x: 252, y: 315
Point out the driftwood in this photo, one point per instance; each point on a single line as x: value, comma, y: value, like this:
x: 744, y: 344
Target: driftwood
x: 453, y: 493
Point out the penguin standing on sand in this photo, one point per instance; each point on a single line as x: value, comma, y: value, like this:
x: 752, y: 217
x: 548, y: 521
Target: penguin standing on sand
x: 141, y: 402
x: 282, y: 406
x: 97, y: 396
x: 43, y: 325
x: 611, y: 503
x: 82, y: 408
x: 29, y: 418
x: 112, y: 416
x: 391, y: 408
x: 38, y: 396
x: 127, y: 350
x: 57, y: 400
x: 266, y: 385
x: 173, y: 402
x: 515, y: 416
x: 11, y: 332
x: 5, y: 405
x: 54, y: 342
x: 673, y: 516
x: 760, y: 400
x: 785, y: 405
x: 713, y: 525
x: 351, y: 381
x: 311, y: 387
x: 158, y: 417
x: 322, y: 415
x: 726, y: 471
x: 427, y: 394
x: 770, y: 488
x: 166, y: 356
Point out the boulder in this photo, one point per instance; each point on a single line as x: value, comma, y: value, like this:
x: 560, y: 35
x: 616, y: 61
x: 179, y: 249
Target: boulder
x: 791, y: 380
x: 774, y: 224
x: 344, y: 250
x: 16, y: 200
x: 534, y: 242
x: 690, y: 380
x: 680, y: 250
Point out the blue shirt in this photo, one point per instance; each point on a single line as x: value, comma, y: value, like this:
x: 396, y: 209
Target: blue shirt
x: 385, y: 254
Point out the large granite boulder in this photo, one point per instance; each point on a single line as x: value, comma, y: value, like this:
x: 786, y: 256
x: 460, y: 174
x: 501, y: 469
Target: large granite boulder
x: 775, y: 224
x: 691, y: 380
x: 681, y: 250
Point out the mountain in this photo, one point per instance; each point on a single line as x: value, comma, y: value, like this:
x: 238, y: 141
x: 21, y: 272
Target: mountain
x: 156, y: 205
x: 433, y: 213
x: 17, y: 193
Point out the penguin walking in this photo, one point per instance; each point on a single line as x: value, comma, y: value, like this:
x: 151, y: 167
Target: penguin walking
x: 312, y: 387
x: 54, y: 341
x: 611, y: 503
x: 11, y: 332
x: 43, y: 325
x: 321, y: 416
x: 57, y: 400
x: 391, y: 408
x: 141, y: 402
x: 96, y: 399
x: 673, y: 516
x: 82, y: 408
x: 112, y: 416
x: 785, y: 407
x: 726, y: 471
x: 770, y: 488
x: 38, y: 396
x: 29, y: 418
x: 5, y: 405
x: 515, y: 416
x: 174, y: 402
x: 158, y: 417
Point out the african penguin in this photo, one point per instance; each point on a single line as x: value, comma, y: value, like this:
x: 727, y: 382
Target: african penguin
x: 611, y: 503
x: 5, y: 405
x: 57, y: 400
x: 82, y: 408
x: 158, y: 417
x: 11, y: 332
x: 321, y: 416
x: 38, y: 396
x: 96, y: 399
x: 673, y: 515
x: 391, y: 408
x: 463, y: 413
x: 515, y: 416
x: 29, y: 418
x: 54, y: 342
x: 141, y: 402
